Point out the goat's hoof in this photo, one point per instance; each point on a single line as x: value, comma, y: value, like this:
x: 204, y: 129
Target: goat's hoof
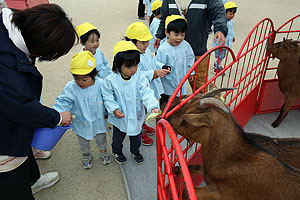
x: 275, y: 124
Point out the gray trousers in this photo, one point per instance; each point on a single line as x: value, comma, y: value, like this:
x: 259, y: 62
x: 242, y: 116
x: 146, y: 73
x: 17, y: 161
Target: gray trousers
x: 85, y: 144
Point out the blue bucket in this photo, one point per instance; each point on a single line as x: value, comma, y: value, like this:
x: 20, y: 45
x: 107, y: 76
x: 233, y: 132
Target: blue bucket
x: 46, y: 138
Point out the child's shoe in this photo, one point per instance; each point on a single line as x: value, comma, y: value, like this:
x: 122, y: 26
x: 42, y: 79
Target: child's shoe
x: 148, y: 129
x: 87, y: 161
x: 45, y: 181
x: 146, y: 140
x: 105, y: 158
x: 120, y: 158
x: 138, y: 158
x: 218, y: 70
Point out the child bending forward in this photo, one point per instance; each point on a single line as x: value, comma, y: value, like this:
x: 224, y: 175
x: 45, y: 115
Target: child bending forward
x: 82, y: 97
x: 126, y: 92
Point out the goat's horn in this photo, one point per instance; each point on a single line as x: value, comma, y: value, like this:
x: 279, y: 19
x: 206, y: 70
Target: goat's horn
x: 216, y: 91
x: 211, y: 101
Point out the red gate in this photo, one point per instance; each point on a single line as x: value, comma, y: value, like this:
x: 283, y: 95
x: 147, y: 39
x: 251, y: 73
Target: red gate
x: 249, y: 73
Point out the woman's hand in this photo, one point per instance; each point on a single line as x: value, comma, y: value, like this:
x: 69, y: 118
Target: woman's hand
x: 66, y: 118
x: 118, y: 114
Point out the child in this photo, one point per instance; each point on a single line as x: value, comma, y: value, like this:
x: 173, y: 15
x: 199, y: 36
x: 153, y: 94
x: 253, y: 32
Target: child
x: 140, y: 35
x: 82, y: 97
x: 126, y: 93
x: 231, y: 9
x: 176, y: 53
x: 148, y: 12
x: 89, y: 37
x: 154, y: 23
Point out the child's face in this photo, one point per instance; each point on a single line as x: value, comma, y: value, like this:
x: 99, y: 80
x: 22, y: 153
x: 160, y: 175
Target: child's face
x: 84, y: 81
x: 230, y: 15
x: 127, y: 72
x: 175, y: 38
x: 92, y: 43
x: 142, y: 46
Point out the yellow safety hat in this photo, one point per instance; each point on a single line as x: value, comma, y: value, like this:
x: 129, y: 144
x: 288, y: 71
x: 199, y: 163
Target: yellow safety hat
x: 229, y: 4
x: 82, y: 63
x: 124, y: 46
x: 173, y: 18
x: 138, y: 31
x: 84, y: 28
x: 156, y: 4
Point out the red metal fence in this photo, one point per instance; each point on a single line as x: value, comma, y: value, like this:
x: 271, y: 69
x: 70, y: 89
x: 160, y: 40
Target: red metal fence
x: 250, y: 71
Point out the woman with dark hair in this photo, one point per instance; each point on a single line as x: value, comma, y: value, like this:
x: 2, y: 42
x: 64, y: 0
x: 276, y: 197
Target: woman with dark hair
x: 42, y: 32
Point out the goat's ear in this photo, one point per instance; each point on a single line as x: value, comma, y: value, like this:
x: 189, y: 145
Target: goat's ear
x: 198, y: 120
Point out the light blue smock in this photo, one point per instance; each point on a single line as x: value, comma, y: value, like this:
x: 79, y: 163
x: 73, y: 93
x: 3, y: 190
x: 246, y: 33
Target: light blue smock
x: 153, y: 29
x: 130, y: 97
x: 229, y: 37
x: 149, y: 10
x: 148, y: 64
x: 87, y: 106
x: 180, y: 58
x: 102, y: 66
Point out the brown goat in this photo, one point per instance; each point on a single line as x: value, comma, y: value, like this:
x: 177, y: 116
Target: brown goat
x: 288, y: 52
x: 237, y: 165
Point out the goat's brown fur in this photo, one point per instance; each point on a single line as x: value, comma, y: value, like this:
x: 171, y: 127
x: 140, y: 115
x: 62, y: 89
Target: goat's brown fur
x: 288, y: 52
x: 238, y: 165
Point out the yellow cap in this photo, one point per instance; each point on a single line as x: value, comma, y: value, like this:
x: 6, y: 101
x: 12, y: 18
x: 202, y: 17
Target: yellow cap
x: 228, y: 5
x: 84, y: 28
x: 156, y: 4
x: 173, y: 18
x: 82, y: 63
x: 138, y: 31
x: 124, y: 46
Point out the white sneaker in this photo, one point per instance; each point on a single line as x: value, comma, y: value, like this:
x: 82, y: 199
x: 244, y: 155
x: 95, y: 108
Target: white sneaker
x: 45, y: 181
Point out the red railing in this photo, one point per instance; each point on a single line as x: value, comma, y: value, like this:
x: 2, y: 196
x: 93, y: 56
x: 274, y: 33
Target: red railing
x: 247, y: 73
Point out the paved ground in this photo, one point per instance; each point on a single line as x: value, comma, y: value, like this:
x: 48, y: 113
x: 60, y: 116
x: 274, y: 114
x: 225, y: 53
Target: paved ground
x: 112, y: 18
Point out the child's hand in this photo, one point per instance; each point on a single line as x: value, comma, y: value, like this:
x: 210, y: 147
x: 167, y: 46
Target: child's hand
x: 191, y: 78
x: 66, y: 118
x: 118, y: 114
x: 162, y: 72
x: 155, y: 110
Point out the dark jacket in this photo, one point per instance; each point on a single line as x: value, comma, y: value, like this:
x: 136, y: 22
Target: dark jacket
x: 20, y: 91
x: 198, y: 16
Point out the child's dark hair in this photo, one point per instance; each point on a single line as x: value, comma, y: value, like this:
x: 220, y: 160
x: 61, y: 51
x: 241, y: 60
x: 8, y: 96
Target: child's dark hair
x: 154, y: 13
x: 85, y: 36
x: 92, y: 74
x: 231, y: 10
x: 178, y: 25
x: 128, y: 58
x: 132, y: 40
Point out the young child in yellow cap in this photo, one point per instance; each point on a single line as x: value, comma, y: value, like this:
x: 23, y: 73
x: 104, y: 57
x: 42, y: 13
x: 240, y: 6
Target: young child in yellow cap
x: 139, y: 34
x: 89, y: 37
x: 126, y: 93
x: 154, y: 24
x: 83, y: 98
x: 176, y: 53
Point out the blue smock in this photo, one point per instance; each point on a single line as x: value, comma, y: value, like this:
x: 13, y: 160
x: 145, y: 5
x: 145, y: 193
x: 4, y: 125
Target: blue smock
x: 102, y: 65
x: 153, y: 29
x: 147, y: 63
x: 87, y: 106
x: 180, y: 58
x: 130, y: 97
x: 148, y: 3
x: 229, y: 37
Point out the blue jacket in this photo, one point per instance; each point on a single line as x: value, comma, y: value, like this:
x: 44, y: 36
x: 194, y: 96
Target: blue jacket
x: 20, y: 91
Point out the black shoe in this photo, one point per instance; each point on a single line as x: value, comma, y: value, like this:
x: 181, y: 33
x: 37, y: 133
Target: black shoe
x: 120, y: 158
x: 138, y: 158
x: 141, y: 18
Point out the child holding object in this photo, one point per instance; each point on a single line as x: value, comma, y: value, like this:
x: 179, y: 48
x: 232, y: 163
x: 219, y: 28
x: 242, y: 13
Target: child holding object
x: 176, y: 53
x: 220, y: 54
x: 126, y: 93
x: 82, y: 97
x: 140, y: 35
x: 89, y: 38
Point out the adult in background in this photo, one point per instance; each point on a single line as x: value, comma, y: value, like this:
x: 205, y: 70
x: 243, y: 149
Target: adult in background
x: 141, y: 10
x: 198, y: 14
x: 42, y: 32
